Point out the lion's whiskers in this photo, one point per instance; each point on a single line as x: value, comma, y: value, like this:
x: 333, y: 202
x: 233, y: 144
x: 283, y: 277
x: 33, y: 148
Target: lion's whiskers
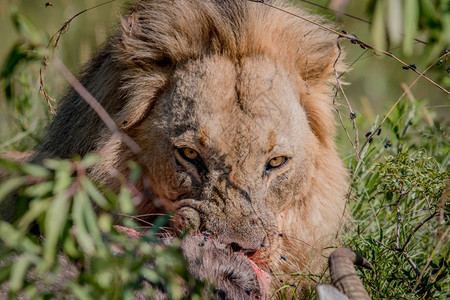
x: 150, y: 215
x: 291, y: 237
x: 288, y: 258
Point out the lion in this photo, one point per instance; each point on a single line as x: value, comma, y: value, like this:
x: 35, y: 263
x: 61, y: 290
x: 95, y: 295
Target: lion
x: 230, y: 104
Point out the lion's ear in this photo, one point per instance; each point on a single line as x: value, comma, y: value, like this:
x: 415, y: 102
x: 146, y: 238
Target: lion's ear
x: 142, y: 48
x: 317, y: 57
x: 132, y: 113
x: 143, y: 88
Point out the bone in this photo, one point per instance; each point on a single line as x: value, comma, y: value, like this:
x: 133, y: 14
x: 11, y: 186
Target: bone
x: 344, y: 276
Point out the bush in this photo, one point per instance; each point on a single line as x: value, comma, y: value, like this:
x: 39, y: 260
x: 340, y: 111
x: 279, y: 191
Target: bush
x: 400, y: 208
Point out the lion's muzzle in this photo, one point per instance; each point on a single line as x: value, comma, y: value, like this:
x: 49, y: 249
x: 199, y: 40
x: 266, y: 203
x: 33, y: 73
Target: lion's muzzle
x: 239, y: 233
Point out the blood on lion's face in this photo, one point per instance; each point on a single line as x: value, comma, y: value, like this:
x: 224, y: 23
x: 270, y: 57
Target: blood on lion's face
x: 234, y: 155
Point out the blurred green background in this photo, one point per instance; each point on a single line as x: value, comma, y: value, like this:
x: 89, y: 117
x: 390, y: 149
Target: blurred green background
x: 374, y: 81
x: 24, y: 115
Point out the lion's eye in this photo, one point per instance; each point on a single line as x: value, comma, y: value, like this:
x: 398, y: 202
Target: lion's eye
x: 276, y: 162
x: 190, y: 153
x: 190, y: 156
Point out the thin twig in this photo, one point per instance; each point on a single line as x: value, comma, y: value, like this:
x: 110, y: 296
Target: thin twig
x: 355, y: 40
x: 96, y: 106
x: 338, y: 84
x: 399, y: 221
x: 410, y: 86
x: 443, y: 237
x: 417, y: 228
x: 57, y: 37
x: 405, y: 254
x: 399, y: 99
x: 402, y: 250
x: 444, y: 199
x: 410, y: 261
x: 352, y: 16
x: 353, y: 62
x: 351, y: 111
x: 345, y: 128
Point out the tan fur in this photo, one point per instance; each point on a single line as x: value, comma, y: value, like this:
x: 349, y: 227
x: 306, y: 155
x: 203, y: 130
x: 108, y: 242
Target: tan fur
x: 240, y: 83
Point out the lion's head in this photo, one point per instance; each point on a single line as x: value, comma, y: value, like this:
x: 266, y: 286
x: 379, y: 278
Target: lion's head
x: 230, y: 104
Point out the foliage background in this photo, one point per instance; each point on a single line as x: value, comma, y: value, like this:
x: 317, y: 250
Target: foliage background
x: 417, y: 128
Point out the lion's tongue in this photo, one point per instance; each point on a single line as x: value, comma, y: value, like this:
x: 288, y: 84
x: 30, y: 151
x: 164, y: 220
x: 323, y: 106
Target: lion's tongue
x: 263, y: 279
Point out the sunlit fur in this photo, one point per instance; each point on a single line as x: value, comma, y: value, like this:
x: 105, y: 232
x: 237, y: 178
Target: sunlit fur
x: 240, y: 83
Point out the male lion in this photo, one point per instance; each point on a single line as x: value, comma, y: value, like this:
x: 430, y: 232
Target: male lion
x: 230, y: 104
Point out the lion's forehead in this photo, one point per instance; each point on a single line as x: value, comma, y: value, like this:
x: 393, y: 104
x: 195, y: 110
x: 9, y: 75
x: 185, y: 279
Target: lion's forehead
x: 252, y: 103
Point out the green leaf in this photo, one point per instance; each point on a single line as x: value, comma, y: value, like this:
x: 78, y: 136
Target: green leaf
x: 39, y: 190
x: 94, y: 193
x: 10, y: 236
x: 105, y: 222
x: 80, y: 292
x: 10, y: 166
x: 91, y: 221
x: 427, y: 10
x: 150, y: 275
x: 28, y: 246
x: 10, y: 185
x: 83, y: 237
x: 63, y: 179
x: 125, y: 200
x: 90, y: 160
x: 71, y: 249
x: 18, y: 273
x: 35, y: 170
x: 6, y: 268
x: 55, y: 221
x: 36, y: 209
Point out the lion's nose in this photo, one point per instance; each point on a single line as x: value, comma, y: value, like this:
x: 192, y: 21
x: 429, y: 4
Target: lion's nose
x: 247, y: 237
x: 236, y: 247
